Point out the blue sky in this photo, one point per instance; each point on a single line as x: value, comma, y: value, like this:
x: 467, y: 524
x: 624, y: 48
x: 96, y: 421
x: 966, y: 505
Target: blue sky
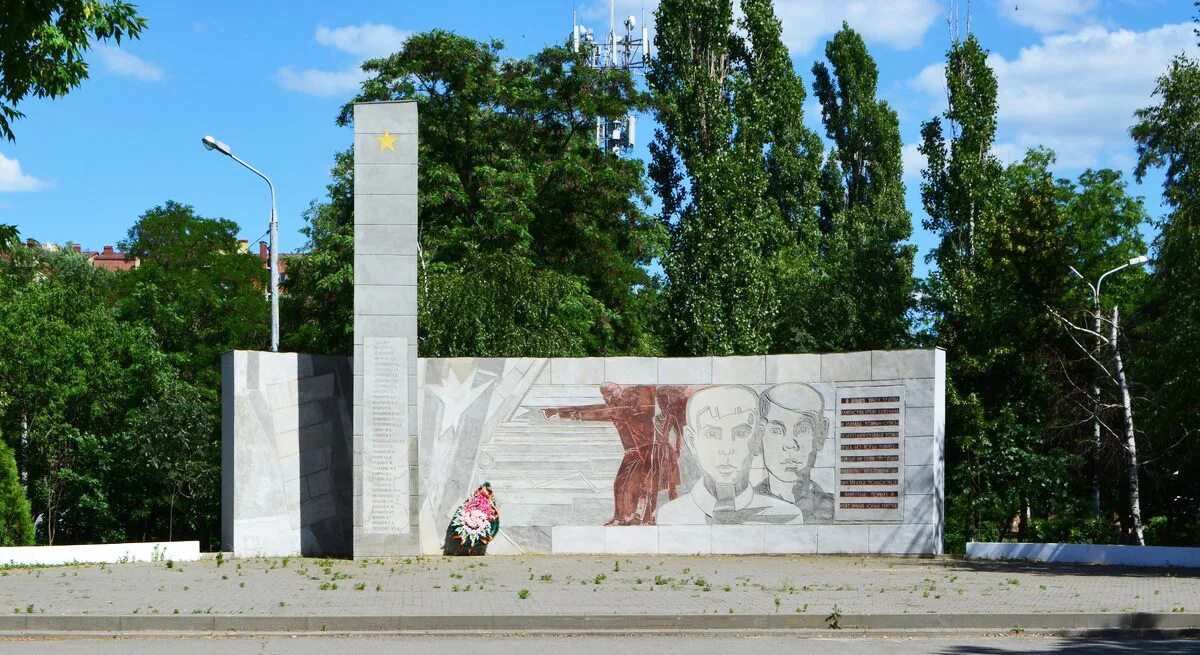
x: 269, y: 77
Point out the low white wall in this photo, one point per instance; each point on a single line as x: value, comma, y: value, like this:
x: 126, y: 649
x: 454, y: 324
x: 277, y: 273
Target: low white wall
x: 1087, y: 554
x: 178, y: 551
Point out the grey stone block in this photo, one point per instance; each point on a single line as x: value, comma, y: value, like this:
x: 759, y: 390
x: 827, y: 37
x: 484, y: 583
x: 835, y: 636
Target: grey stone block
x: 919, y: 421
x: 920, y: 451
x: 685, y: 370
x: 384, y: 240
x: 383, y: 325
x: 631, y: 540
x: 737, y: 539
x: 385, y: 301
x: 903, y: 539
x: 842, y: 539
x: 631, y: 370
x: 397, y: 117
x: 373, y: 148
x: 920, y: 508
x: 919, y: 363
x: 684, y: 540
x: 845, y: 367
x: 385, y: 179
x: 793, y: 368
x: 577, y: 371
x: 739, y: 370
x: 385, y: 269
x: 918, y: 479
x: 885, y: 365
x: 790, y: 539
x: 918, y: 392
x: 385, y: 210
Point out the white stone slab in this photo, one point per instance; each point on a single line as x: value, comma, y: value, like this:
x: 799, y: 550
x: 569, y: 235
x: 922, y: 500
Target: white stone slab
x: 577, y: 371
x: 919, y: 422
x: 885, y: 365
x: 685, y: 370
x: 737, y: 539
x: 631, y: 540
x: 918, y: 480
x: 739, y: 370
x: 793, y: 368
x: 918, y: 392
x: 784, y: 539
x: 919, y: 363
x: 1145, y: 556
x: 631, y: 370
x: 919, y: 451
x: 576, y: 540
x: 397, y: 117
x: 684, y: 540
x: 845, y: 367
x: 903, y: 539
x: 841, y: 539
x: 158, y: 551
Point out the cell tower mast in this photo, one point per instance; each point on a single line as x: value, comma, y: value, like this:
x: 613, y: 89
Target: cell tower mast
x: 628, y: 52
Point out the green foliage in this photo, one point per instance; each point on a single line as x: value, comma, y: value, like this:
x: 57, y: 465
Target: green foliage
x: 198, y: 292
x: 511, y: 184
x: 42, y: 43
x: 317, y: 305
x: 16, y: 523
x: 736, y: 172
x: 1165, y: 134
x: 866, y: 292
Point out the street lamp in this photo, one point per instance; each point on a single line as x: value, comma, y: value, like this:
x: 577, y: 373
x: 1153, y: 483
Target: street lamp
x: 211, y: 143
x: 1131, y: 445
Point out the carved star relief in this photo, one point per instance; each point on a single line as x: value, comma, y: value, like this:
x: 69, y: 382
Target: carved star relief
x: 387, y: 141
x: 456, y: 395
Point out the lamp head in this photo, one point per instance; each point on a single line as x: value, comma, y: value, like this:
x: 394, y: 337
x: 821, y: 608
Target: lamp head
x: 211, y: 143
x: 1139, y: 260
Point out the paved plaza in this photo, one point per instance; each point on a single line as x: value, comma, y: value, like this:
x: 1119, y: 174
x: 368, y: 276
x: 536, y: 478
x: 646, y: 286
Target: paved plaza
x: 593, y: 586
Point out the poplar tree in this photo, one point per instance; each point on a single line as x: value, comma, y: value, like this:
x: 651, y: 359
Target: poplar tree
x: 867, y: 292
x: 736, y: 172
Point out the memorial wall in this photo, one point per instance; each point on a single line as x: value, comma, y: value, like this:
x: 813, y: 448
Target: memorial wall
x: 836, y: 453
x: 806, y: 453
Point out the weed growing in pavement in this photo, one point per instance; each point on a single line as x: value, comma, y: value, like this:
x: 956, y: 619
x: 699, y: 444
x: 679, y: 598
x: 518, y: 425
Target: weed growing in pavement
x: 328, y: 586
x: 523, y: 594
x: 600, y: 577
x: 834, y: 619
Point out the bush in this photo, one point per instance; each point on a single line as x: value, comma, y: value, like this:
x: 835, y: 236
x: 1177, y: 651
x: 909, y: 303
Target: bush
x: 16, y: 525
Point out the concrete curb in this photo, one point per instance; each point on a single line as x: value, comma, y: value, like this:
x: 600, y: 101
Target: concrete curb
x: 850, y: 623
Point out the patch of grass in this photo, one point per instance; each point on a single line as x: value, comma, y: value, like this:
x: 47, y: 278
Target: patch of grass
x: 328, y: 586
x: 660, y: 580
x: 360, y: 586
x: 546, y: 577
x: 170, y: 564
x: 600, y: 577
x: 523, y: 594
x: 1013, y: 581
x: 242, y: 585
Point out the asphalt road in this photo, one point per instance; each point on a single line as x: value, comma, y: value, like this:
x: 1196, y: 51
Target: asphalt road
x: 626, y: 645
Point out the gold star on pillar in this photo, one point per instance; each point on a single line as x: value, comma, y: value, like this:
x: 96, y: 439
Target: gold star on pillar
x: 386, y: 142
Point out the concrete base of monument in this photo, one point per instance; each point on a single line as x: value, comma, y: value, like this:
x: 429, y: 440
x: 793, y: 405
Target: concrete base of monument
x: 1103, y: 555
x: 160, y: 551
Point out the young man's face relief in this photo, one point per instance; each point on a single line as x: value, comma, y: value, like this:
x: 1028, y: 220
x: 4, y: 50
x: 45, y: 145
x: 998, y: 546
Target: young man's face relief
x: 722, y: 435
x: 788, y: 441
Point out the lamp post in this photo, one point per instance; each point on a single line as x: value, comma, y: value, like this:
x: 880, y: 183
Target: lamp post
x: 212, y: 144
x: 1130, y: 441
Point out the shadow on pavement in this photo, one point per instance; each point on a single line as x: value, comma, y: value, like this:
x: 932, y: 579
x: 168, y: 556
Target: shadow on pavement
x: 1086, y: 646
x: 1042, y: 568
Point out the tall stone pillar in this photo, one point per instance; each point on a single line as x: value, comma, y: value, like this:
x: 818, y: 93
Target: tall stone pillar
x: 385, y: 329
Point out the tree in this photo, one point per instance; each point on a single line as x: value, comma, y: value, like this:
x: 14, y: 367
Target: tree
x: 196, y: 288
x: 1165, y: 134
x: 511, y: 180
x: 736, y: 172
x: 16, y: 523
x: 317, y: 304
x: 869, y: 285
x: 42, y: 43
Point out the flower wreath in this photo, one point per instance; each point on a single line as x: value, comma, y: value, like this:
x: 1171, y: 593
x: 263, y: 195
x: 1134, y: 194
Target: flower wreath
x: 478, y: 519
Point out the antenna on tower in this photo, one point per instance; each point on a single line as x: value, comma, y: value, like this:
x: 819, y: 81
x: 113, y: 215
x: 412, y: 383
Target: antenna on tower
x: 629, y: 52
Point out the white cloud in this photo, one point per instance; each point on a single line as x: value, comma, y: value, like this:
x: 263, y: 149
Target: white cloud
x: 1075, y: 93
x: 12, y: 178
x: 321, y: 83
x: 914, y: 162
x: 121, y: 63
x: 368, y: 40
x: 1046, y: 15
x: 898, y: 23
x: 365, y: 41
